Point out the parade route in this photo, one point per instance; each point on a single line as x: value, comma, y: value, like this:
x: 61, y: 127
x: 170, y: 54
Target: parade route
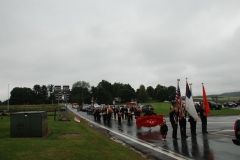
x: 215, y: 145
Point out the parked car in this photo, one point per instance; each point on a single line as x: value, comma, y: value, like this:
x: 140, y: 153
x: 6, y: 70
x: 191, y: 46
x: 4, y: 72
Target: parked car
x: 145, y: 107
x: 214, y: 105
x: 197, y: 106
x: 229, y: 104
x: 237, y: 132
x: 219, y: 106
x: 238, y: 102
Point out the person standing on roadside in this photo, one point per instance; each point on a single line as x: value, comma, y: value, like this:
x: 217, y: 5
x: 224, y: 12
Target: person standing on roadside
x: 203, y: 118
x: 183, y: 123
x: 164, y: 130
x: 173, y: 116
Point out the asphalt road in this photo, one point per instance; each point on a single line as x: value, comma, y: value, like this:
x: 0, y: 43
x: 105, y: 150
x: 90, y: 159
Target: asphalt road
x: 215, y: 145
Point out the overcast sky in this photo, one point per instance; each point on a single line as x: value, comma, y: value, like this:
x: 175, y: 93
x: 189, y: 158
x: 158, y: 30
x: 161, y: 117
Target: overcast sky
x: 154, y: 42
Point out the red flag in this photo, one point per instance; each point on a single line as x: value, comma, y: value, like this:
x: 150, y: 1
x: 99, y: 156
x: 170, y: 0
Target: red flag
x: 205, y: 102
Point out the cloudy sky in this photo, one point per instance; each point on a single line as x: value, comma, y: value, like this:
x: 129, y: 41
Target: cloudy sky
x: 132, y: 42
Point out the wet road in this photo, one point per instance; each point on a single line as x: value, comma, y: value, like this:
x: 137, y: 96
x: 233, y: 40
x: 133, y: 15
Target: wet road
x: 215, y: 145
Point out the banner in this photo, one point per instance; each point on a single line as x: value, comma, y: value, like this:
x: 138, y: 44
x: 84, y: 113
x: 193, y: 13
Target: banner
x: 149, y: 121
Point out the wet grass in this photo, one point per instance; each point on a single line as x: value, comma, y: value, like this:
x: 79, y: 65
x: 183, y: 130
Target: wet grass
x: 163, y: 108
x: 67, y: 140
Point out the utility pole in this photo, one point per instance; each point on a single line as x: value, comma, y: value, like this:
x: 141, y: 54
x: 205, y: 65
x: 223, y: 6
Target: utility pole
x: 8, y: 98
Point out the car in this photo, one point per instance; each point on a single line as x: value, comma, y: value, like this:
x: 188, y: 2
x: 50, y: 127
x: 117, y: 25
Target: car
x: 237, y: 132
x: 238, y: 102
x: 84, y: 107
x: 229, y: 104
x: 214, y: 105
x: 145, y: 107
x: 197, y: 106
x: 219, y: 106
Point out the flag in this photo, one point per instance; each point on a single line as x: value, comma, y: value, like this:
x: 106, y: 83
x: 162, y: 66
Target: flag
x: 205, y: 102
x: 190, y: 108
x: 178, y: 99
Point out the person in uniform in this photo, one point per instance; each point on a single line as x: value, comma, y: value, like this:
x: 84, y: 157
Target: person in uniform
x: 104, y: 114
x: 149, y: 112
x: 203, y: 118
x: 173, y: 116
x: 193, y: 123
x: 119, y: 114
x: 182, y: 123
x: 109, y: 114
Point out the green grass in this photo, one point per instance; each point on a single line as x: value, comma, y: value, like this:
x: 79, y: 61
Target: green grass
x: 163, y: 108
x: 61, y: 144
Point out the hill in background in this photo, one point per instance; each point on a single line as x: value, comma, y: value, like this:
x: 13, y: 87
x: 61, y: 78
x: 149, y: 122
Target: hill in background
x: 229, y: 94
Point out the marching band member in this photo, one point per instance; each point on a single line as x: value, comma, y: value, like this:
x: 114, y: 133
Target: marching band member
x: 119, y: 113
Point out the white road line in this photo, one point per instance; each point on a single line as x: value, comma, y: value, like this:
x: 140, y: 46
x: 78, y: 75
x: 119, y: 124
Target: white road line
x: 141, y: 142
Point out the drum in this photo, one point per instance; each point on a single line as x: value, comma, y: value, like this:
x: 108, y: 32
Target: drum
x: 129, y: 114
x: 119, y: 114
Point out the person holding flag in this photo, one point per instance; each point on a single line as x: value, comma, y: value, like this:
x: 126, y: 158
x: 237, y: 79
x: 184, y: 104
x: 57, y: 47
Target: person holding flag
x: 204, y: 111
x: 181, y: 112
x: 189, y: 105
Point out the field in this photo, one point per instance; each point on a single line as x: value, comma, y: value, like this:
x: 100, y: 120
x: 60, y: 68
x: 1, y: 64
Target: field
x: 67, y: 140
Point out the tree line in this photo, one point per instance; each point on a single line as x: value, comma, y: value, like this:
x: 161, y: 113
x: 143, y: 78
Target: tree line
x: 82, y: 92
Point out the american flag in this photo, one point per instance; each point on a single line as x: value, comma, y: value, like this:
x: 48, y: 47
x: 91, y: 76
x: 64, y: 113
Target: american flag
x: 178, y: 99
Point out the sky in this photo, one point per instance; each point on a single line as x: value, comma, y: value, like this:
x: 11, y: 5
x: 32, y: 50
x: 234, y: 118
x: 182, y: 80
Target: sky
x: 135, y: 42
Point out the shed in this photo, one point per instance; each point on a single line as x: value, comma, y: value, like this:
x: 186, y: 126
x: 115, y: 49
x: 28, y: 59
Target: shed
x: 28, y: 124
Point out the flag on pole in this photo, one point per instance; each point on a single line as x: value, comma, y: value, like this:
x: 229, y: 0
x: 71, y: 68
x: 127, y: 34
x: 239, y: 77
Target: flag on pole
x: 189, y: 103
x: 205, y: 102
x: 178, y: 99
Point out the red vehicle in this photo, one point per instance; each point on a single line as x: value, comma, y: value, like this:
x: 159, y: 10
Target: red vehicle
x: 237, y: 132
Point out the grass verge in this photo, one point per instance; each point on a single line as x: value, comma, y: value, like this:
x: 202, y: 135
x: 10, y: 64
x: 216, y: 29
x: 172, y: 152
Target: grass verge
x: 68, y: 140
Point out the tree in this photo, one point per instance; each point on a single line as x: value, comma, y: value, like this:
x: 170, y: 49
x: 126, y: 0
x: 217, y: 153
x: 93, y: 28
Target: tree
x: 142, y: 94
x: 81, y: 84
x: 20, y: 96
x: 103, y: 96
x: 171, y: 93
x: 106, y: 85
x: 162, y: 94
x: 150, y: 91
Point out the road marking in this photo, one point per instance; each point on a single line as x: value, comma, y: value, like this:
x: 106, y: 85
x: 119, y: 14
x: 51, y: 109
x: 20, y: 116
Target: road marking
x: 139, y: 141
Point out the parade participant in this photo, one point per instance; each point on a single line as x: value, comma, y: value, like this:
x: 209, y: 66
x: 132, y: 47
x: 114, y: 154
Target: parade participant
x: 104, y: 114
x: 98, y: 114
x: 149, y: 112
x: 122, y: 111
x: 203, y: 118
x: 126, y: 112
x: 173, y: 116
x: 119, y: 113
x: 164, y: 130
x: 182, y: 122
x: 137, y: 111
x: 192, y: 125
x: 109, y: 114
x: 95, y: 114
x: 130, y: 113
x: 114, y: 112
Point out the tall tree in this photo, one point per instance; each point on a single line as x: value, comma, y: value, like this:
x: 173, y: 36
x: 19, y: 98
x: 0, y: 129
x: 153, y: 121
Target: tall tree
x: 81, y: 84
x: 150, y: 91
x: 142, y: 94
x: 171, y: 93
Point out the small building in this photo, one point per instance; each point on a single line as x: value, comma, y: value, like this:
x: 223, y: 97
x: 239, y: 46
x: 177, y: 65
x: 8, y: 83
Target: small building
x: 28, y: 124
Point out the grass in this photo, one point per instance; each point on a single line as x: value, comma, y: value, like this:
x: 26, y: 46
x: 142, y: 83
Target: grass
x: 163, y: 108
x: 68, y: 140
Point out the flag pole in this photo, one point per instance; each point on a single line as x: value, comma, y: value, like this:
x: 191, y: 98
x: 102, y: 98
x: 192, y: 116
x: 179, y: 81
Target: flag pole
x: 190, y: 84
